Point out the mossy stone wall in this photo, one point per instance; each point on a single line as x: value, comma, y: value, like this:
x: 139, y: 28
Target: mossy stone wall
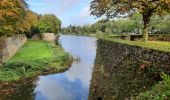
x: 122, y: 71
x: 10, y: 45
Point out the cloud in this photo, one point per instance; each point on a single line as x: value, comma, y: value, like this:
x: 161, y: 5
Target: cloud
x: 84, y: 17
x: 51, y: 89
x: 69, y: 11
x: 85, y: 12
x: 66, y: 5
x: 56, y: 5
x: 37, y: 4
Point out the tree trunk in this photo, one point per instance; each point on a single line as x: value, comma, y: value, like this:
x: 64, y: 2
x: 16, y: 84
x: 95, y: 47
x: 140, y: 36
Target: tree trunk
x: 145, y: 33
x: 146, y: 20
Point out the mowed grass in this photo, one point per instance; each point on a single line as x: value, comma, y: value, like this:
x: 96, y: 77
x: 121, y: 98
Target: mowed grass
x: 156, y: 45
x: 34, y: 58
x: 32, y: 50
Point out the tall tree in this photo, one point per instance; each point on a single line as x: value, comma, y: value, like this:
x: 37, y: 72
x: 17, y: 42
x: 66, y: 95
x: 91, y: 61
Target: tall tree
x: 49, y: 23
x: 123, y: 8
x: 11, y: 11
x: 30, y: 20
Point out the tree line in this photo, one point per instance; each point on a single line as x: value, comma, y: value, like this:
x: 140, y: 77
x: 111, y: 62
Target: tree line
x: 124, y: 8
x: 129, y: 25
x: 148, y: 16
x: 17, y: 18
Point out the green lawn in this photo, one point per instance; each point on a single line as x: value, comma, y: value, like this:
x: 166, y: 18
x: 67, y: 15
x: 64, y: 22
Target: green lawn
x: 32, y: 50
x: 156, y: 45
x: 35, y: 57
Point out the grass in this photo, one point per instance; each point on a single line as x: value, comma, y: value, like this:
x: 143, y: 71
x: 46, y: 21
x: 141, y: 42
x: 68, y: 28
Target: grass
x: 35, y: 57
x: 160, y: 91
x: 32, y: 50
x: 156, y: 45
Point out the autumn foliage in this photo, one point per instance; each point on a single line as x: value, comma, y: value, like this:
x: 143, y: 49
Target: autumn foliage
x: 11, y: 11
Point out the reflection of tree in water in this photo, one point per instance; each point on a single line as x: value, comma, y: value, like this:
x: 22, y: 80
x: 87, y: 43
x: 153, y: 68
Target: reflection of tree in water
x: 18, y: 90
x: 117, y: 75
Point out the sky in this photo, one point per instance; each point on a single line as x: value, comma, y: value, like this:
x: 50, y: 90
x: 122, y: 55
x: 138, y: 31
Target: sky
x: 75, y: 12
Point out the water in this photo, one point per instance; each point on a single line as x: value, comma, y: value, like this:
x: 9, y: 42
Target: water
x: 74, y: 83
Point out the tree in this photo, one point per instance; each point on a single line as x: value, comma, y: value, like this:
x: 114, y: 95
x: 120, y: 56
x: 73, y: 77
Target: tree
x: 138, y: 23
x: 30, y: 20
x: 49, y: 23
x: 123, y: 8
x: 11, y: 11
x: 160, y: 24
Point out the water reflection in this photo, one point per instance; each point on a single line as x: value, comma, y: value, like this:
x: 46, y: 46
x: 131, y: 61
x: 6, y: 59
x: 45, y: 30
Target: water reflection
x: 74, y: 83
x: 22, y: 90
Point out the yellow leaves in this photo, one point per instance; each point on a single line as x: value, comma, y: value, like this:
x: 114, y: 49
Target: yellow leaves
x: 4, y: 3
x: 124, y: 10
x: 11, y: 14
x: 111, y: 7
x: 11, y: 11
x: 104, y: 3
x: 166, y: 1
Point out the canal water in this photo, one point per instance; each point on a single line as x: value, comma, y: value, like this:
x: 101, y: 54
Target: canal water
x: 73, y: 84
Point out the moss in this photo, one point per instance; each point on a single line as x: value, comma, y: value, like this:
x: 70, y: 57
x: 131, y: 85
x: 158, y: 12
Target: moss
x: 123, y: 71
x: 30, y: 61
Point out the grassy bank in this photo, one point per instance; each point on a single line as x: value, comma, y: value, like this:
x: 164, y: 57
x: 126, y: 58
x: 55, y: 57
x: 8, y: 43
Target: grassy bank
x: 156, y: 45
x: 160, y: 91
x: 35, y: 57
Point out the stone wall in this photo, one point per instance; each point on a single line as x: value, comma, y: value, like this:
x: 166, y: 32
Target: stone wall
x: 122, y: 71
x: 36, y: 37
x: 48, y: 36
x: 10, y: 45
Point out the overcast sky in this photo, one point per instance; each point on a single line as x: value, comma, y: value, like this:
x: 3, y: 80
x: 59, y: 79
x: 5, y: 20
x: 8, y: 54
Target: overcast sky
x: 75, y: 12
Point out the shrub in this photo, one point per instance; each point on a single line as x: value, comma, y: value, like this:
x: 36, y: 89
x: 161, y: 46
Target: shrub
x: 160, y: 91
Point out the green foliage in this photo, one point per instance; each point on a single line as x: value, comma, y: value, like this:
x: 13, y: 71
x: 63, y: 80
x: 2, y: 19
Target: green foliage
x: 80, y: 30
x: 49, y: 23
x: 160, y: 91
x: 34, y: 58
x: 129, y: 25
x: 124, y: 25
x: 160, y: 24
x: 124, y: 8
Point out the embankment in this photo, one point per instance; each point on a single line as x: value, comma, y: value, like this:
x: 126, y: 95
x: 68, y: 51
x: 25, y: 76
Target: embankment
x: 122, y: 71
x: 10, y: 45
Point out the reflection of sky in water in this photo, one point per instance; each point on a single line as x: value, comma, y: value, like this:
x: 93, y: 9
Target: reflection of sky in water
x: 74, y: 83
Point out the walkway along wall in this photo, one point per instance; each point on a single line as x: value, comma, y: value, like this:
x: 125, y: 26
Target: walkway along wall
x: 10, y: 45
x: 121, y: 71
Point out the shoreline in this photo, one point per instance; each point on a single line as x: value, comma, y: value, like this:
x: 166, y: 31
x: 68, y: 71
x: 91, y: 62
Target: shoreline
x: 60, y: 61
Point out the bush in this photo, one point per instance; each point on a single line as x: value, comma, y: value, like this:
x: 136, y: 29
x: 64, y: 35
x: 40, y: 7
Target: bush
x: 160, y: 91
